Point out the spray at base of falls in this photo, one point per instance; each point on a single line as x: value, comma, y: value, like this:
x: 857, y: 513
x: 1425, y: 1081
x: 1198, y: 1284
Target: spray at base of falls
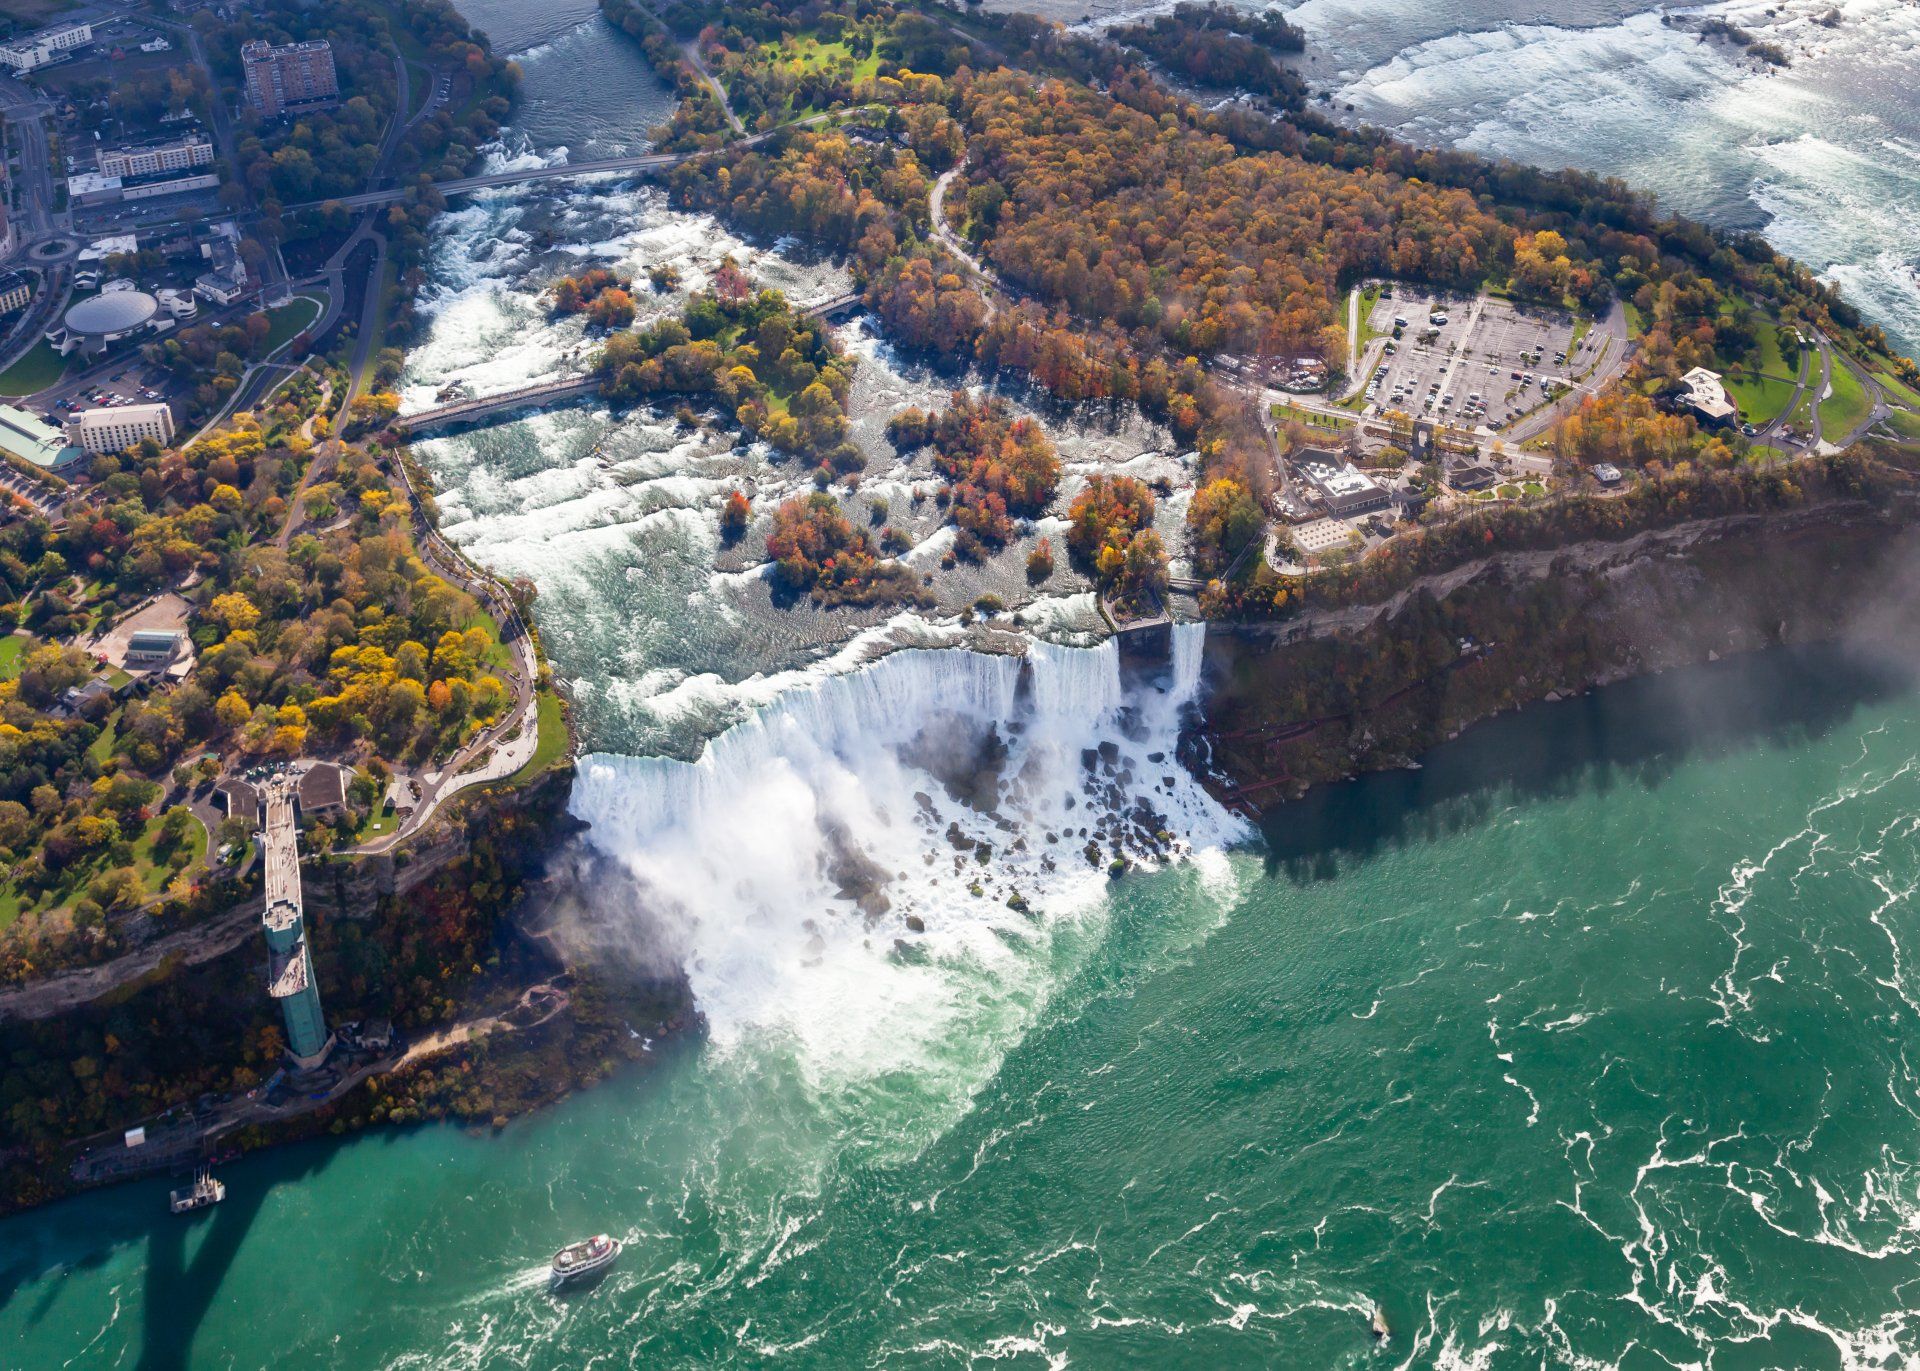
x: 887, y: 871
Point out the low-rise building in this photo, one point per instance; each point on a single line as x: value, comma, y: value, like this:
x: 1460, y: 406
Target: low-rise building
x: 179, y: 185
x: 155, y: 649
x: 240, y: 801
x: 93, y: 188
x: 1472, y: 476
x: 1707, y: 398
x: 1607, y: 474
x: 31, y: 439
x: 156, y: 159
x: 46, y: 47
x: 227, y: 282
x: 121, y: 427
x: 75, y: 699
x: 322, y: 792
x: 1344, y: 489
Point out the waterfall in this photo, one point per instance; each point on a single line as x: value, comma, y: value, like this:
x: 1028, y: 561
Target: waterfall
x: 872, y: 866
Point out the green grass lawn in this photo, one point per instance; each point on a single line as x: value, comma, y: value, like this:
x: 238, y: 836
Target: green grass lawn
x: 552, y: 745
x: 13, y: 651
x: 1762, y: 390
x: 380, y: 822
x: 40, y: 368
x: 1905, y: 423
x: 1289, y: 414
x: 1368, y: 299
x: 1636, y: 321
x: 1897, y: 390
x: 1847, y: 406
x: 810, y: 54
x: 286, y: 322
x: 101, y: 747
x: 156, y: 871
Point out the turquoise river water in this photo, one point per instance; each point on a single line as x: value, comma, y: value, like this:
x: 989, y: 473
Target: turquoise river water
x: 1589, y: 1044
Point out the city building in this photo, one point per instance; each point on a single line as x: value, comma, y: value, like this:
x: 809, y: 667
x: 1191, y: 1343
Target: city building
x: 86, y: 188
x: 240, y: 801
x: 156, y: 159
x: 178, y: 304
x: 14, y: 291
x: 179, y: 185
x: 153, y: 649
x: 119, y: 311
x: 227, y: 282
x: 27, y: 437
x: 322, y: 793
x: 295, y: 76
x: 1472, y: 476
x: 46, y: 47
x: 1707, y: 398
x: 1344, y: 489
x: 119, y: 428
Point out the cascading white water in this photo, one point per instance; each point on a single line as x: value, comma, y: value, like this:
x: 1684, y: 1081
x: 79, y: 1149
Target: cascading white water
x: 875, y: 867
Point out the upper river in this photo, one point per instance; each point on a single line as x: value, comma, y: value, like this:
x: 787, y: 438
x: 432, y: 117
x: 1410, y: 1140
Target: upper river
x: 1585, y: 1045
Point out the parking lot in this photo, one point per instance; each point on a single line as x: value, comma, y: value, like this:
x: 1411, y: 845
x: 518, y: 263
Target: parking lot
x: 134, y: 382
x: 1472, y: 361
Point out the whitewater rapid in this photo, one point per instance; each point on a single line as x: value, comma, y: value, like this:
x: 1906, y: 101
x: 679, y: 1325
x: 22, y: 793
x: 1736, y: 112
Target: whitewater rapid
x: 872, y: 870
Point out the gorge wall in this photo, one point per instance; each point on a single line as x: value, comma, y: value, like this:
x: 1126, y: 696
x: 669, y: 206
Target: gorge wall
x: 1371, y: 687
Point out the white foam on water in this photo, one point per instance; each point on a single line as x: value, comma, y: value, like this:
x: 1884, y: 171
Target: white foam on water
x: 1813, y: 151
x: 750, y: 860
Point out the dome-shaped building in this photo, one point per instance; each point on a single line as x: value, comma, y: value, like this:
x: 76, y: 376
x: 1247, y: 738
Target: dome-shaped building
x: 111, y: 315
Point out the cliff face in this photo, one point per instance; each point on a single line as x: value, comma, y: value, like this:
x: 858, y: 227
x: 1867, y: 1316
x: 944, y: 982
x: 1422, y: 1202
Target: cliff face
x: 1371, y: 687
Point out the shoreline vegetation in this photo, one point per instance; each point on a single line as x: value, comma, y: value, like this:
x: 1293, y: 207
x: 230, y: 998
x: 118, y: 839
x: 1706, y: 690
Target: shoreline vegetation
x: 1106, y: 241
x: 1116, y: 243
x: 321, y: 616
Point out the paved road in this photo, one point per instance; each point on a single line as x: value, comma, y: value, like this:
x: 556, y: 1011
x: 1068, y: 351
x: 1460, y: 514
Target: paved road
x: 947, y: 238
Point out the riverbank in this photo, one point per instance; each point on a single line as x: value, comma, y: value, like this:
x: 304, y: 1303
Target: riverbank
x: 436, y: 958
x: 1372, y: 687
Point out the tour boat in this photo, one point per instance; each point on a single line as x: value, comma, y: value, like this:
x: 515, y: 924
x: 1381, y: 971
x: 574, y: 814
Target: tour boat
x: 204, y: 1191
x: 584, y: 1258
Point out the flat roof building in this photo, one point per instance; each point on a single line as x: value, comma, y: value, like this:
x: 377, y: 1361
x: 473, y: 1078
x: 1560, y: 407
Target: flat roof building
x: 155, y: 159
x: 46, y: 47
x: 14, y: 291
x: 1344, y: 489
x: 1707, y: 398
x: 151, y: 648
x: 121, y: 427
x: 290, y: 77
x: 27, y: 437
